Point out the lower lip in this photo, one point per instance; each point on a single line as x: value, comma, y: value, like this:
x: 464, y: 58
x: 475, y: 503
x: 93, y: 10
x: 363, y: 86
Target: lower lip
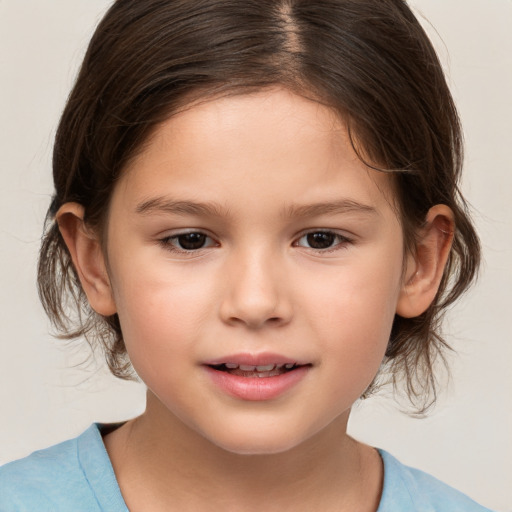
x: 257, y: 388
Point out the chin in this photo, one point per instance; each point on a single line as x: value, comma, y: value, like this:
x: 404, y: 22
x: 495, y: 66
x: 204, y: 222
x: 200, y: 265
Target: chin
x: 257, y: 447
x: 262, y: 441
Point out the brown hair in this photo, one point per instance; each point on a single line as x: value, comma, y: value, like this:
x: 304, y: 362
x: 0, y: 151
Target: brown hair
x: 369, y: 60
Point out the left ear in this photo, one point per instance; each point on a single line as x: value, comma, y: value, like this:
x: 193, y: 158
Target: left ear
x: 424, y: 268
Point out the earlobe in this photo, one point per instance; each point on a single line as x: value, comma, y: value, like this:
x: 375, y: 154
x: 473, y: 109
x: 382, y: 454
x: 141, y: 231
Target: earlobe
x: 87, y: 257
x: 424, y: 268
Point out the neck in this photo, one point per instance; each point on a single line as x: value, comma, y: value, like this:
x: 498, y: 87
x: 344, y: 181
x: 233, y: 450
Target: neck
x: 157, y: 459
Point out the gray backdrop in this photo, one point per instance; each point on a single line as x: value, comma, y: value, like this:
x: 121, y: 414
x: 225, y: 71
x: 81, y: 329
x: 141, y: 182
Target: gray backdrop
x: 45, y: 397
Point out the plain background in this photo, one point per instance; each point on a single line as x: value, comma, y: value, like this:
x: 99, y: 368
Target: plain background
x: 46, y: 395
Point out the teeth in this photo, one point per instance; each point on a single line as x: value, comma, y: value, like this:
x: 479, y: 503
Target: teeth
x: 266, y: 368
x: 259, y: 369
x: 247, y: 368
x: 252, y: 368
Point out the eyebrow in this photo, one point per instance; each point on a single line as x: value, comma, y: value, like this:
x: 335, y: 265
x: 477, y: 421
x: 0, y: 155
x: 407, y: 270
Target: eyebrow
x: 329, y: 208
x: 165, y: 205
x: 209, y: 209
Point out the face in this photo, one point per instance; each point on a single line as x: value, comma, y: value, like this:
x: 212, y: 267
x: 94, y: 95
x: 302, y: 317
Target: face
x: 256, y: 266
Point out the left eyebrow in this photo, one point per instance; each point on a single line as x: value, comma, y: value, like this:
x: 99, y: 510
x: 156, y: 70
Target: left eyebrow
x: 329, y: 208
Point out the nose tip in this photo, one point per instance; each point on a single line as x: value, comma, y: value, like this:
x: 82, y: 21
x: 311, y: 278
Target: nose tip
x: 255, y: 318
x: 256, y: 309
x: 255, y: 297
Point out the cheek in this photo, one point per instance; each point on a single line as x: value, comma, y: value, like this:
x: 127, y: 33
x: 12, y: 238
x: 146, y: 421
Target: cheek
x: 161, y: 312
x: 354, y: 312
x: 362, y: 295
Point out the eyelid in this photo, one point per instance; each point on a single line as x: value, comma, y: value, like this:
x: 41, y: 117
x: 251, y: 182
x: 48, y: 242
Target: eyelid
x: 342, y: 237
x: 165, y: 241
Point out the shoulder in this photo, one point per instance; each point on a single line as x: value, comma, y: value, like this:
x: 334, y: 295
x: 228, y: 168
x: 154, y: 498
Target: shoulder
x: 408, y: 489
x: 72, y: 475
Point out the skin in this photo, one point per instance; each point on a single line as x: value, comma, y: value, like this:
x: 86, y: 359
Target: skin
x: 267, y: 164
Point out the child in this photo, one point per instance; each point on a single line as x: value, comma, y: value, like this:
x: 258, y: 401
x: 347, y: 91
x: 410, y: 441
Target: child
x: 256, y: 206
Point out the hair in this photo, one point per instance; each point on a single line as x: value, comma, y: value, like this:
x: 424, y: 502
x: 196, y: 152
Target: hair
x: 368, y: 60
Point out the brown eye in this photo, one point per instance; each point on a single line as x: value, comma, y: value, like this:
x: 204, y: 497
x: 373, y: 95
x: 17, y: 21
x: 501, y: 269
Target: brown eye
x: 191, y: 241
x: 187, y: 242
x: 320, y: 240
x: 323, y: 241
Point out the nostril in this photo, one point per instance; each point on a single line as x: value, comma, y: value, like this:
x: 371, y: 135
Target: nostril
x: 254, y: 308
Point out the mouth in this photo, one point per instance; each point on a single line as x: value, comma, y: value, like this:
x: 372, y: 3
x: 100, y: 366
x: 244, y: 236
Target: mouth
x: 257, y: 377
x: 256, y: 371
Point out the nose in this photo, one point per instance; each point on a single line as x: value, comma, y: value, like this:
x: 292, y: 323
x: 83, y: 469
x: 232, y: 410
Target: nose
x: 255, y: 291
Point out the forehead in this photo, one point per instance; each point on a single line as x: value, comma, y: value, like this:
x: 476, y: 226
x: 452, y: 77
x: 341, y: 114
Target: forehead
x: 273, y: 144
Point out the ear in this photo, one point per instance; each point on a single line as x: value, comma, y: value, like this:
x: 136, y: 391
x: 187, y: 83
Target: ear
x: 87, y: 256
x: 424, y: 269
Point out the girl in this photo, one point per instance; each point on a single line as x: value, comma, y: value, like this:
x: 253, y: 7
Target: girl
x: 256, y: 210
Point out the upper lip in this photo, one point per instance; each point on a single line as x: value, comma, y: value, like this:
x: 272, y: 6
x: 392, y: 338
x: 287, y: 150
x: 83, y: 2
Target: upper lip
x: 261, y: 359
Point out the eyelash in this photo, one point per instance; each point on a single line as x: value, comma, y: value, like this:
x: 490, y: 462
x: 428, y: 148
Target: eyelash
x: 167, y: 243
x: 341, y: 242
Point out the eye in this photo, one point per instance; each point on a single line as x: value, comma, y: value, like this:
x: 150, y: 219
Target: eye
x: 187, y: 242
x: 322, y: 240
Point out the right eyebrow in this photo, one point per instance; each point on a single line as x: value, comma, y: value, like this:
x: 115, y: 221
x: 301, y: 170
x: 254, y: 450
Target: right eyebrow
x: 165, y: 205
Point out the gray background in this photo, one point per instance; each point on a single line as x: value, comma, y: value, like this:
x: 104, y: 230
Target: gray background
x: 47, y: 396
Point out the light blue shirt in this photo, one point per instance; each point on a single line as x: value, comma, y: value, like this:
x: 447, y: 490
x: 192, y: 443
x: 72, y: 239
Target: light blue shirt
x: 77, y: 476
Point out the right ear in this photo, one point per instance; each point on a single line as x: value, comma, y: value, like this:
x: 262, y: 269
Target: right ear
x: 87, y: 256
